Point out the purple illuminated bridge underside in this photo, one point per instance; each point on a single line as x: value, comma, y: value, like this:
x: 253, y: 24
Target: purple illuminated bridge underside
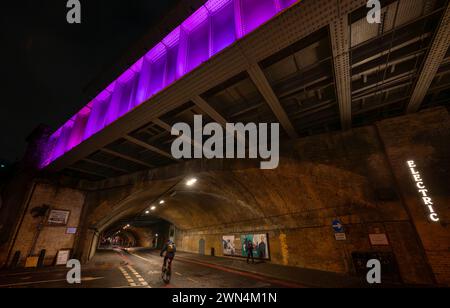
x: 213, y: 27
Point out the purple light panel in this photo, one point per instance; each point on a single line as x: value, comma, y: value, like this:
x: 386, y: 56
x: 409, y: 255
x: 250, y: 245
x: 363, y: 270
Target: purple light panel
x: 213, y: 27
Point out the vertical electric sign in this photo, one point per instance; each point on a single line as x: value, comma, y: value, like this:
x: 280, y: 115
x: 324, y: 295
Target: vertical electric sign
x: 423, y: 191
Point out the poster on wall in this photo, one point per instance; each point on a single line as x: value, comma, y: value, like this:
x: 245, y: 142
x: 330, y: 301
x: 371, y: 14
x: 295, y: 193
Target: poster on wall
x: 62, y: 257
x: 58, y: 217
x: 229, y: 245
x: 237, y: 245
x: 260, y: 245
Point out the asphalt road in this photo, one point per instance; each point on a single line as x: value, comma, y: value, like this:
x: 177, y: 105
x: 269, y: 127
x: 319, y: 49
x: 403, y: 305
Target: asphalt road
x: 115, y: 268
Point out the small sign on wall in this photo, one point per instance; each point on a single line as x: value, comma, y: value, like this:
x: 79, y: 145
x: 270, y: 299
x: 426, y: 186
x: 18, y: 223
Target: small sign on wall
x: 58, y: 217
x: 62, y: 257
x: 31, y: 262
x: 340, y: 236
x: 338, y: 228
x: 379, y: 239
x: 71, y: 230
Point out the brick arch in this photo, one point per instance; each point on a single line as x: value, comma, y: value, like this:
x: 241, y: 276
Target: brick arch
x: 229, y: 196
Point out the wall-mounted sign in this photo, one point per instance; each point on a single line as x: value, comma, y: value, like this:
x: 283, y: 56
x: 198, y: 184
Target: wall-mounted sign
x: 340, y: 236
x: 337, y: 226
x: 379, y: 239
x: 62, y: 257
x: 71, y: 231
x: 338, y: 229
x: 423, y: 191
x: 31, y: 262
x: 58, y: 217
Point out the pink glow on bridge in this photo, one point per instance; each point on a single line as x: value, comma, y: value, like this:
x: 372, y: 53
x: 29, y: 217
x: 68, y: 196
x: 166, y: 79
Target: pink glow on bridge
x: 213, y: 27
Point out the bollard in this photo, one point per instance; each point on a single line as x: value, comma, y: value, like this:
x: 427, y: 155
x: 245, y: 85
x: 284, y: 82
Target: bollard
x: 15, y: 260
x: 41, y: 258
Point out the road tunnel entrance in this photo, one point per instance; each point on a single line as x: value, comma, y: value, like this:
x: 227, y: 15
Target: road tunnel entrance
x: 286, y: 215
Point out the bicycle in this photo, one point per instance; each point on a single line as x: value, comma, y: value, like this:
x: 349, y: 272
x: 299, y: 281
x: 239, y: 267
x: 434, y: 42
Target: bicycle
x: 167, y: 271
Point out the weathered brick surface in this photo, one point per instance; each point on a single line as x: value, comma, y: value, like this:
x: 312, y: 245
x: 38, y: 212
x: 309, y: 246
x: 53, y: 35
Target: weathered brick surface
x: 424, y: 138
x: 359, y: 176
x: 50, y: 238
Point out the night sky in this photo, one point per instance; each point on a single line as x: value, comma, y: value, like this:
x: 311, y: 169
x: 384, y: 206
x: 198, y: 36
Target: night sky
x: 47, y: 64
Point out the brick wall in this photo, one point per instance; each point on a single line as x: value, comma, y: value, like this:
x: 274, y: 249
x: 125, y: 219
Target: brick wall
x: 359, y: 176
x: 50, y: 238
x: 424, y: 138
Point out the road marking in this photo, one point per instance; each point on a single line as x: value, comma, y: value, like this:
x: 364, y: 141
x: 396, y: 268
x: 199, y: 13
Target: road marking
x: 46, y: 281
x: 193, y: 280
x: 127, y: 277
x: 30, y: 283
x: 91, y: 278
x: 145, y: 259
x: 153, y: 272
x: 131, y: 281
x: 176, y: 273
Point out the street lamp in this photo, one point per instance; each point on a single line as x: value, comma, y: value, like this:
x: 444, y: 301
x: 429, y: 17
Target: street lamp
x: 191, y: 182
x: 153, y: 208
x: 162, y: 202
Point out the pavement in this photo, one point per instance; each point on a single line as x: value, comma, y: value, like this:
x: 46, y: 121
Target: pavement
x: 141, y: 268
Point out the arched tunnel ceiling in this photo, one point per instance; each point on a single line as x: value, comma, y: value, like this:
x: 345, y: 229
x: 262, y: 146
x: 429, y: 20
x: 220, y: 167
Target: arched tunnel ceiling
x: 224, y: 197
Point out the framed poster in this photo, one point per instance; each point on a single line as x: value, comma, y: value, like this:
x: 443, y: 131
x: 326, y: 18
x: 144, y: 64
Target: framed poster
x: 260, y: 243
x: 379, y: 239
x: 62, y: 257
x: 58, y: 217
x: 229, y: 245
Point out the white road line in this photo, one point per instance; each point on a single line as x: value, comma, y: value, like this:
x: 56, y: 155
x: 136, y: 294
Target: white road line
x: 127, y: 277
x: 30, y: 283
x: 176, y: 273
x: 138, y: 276
x: 145, y: 259
x: 46, y: 281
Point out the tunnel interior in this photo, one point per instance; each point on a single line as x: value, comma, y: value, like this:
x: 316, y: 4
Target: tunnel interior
x: 141, y: 230
x: 197, y: 207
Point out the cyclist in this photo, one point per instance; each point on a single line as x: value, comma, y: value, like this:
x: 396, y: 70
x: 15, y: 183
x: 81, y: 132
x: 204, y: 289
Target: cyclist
x: 169, y: 248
